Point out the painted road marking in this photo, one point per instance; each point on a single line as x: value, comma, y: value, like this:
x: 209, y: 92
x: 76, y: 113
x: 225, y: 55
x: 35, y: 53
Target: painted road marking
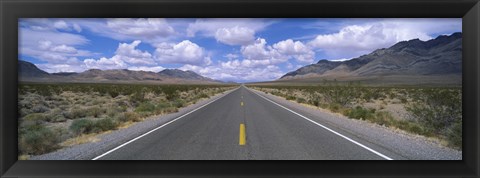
x: 136, y: 138
x: 241, y: 103
x: 336, y: 133
x: 243, y: 136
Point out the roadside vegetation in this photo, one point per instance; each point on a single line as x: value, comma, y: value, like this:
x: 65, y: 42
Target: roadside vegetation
x: 434, y: 112
x: 52, y: 115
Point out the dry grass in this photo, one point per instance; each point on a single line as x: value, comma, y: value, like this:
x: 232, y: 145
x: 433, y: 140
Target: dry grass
x: 84, y: 138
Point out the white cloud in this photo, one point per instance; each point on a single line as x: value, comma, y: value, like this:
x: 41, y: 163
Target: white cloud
x: 64, y: 49
x: 235, y: 35
x: 61, y: 25
x: 77, y: 27
x: 30, y: 37
x: 234, y: 71
x: 296, y: 49
x: 231, y: 56
x: 339, y: 60
x: 228, y: 31
x: 147, y: 68
x: 103, y: 63
x: 354, y: 40
x: 260, y: 53
x: 55, y: 68
x: 185, y: 52
x: 126, y: 56
x: 53, y: 24
x: 53, y: 53
x: 127, y: 52
x: 149, y: 28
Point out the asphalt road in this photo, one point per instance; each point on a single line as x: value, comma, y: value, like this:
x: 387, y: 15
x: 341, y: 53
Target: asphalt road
x: 271, y: 132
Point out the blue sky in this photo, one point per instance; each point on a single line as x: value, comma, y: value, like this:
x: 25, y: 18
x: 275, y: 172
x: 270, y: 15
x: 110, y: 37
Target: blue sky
x: 241, y: 50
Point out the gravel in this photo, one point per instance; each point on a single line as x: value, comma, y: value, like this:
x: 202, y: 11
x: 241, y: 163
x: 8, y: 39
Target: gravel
x: 110, y: 140
x: 403, y: 145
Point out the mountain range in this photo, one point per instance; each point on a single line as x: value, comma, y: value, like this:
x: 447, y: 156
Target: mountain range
x: 30, y: 72
x: 436, y: 59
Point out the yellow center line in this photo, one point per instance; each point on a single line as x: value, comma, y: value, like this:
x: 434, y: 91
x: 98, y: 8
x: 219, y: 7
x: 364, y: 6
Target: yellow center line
x: 242, y: 138
x: 241, y: 103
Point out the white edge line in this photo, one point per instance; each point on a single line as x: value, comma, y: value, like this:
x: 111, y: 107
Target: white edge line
x: 153, y: 130
x: 336, y: 133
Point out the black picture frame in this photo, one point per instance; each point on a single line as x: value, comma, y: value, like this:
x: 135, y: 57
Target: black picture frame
x: 11, y: 10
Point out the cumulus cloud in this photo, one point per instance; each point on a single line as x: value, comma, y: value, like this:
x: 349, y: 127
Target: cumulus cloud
x: 354, y: 40
x: 128, y: 53
x: 53, y: 53
x: 228, y: 31
x: 234, y: 71
x: 235, y: 36
x: 231, y: 56
x: 146, y: 68
x: 29, y: 37
x: 185, y: 52
x: 141, y: 27
x: 56, y: 68
x: 296, y: 49
x: 103, y: 63
x: 77, y: 28
x: 261, y: 53
x: 126, y: 56
x: 43, y: 24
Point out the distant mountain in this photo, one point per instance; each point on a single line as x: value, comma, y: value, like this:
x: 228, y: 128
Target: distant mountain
x: 176, y: 73
x: 436, y: 57
x: 64, y: 73
x: 29, y: 72
x: 117, y: 75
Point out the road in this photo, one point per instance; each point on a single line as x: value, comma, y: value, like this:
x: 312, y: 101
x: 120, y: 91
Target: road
x: 244, y: 125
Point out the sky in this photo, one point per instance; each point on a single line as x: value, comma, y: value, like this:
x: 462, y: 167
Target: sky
x: 231, y: 49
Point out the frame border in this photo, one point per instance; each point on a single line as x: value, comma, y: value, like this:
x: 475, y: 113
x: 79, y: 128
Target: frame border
x: 11, y: 10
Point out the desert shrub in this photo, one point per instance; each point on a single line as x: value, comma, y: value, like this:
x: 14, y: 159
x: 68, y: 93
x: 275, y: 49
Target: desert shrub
x: 58, y: 118
x: 22, y: 112
x: 170, y: 110
x: 301, y: 100
x: 178, y: 103
x: 412, y: 127
x: 382, y: 118
x: 85, y: 126
x: 36, y: 117
x: 335, y: 107
x: 81, y: 126
x: 137, y: 97
x: 113, y: 93
x: 94, y: 111
x: 203, y: 95
x: 39, y: 108
x: 114, y: 110
x: 361, y: 113
x: 75, y: 113
x: 314, y: 102
x: 37, y: 139
x: 145, y: 107
x: 437, y: 109
x: 454, y: 135
x: 341, y: 95
x: 104, y: 125
x: 129, y: 116
x: 290, y: 97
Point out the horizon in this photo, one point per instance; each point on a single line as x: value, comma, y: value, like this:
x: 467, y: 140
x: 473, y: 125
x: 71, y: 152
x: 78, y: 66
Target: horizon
x: 237, y: 50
